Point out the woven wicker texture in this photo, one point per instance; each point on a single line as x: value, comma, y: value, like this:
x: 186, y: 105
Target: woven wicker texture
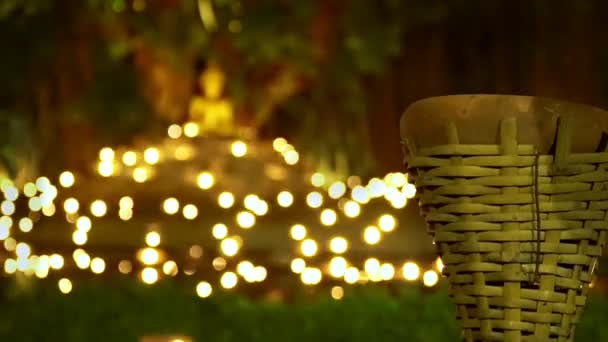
x: 511, y: 278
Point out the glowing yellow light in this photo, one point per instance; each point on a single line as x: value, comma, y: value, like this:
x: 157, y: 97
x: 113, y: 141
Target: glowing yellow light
x: 56, y: 261
x: 409, y: 190
x: 219, y: 231
x: 66, y: 179
x: 125, y: 267
x: 171, y: 206
x: 83, y: 223
x: 260, y: 208
x: 372, y: 266
x: 430, y: 278
x: 79, y: 237
x: 71, y: 205
x: 5, y: 232
x: 23, y: 265
x: 337, y: 267
x: 297, y: 232
x: 399, y: 202
x: 26, y: 224
x: 204, y: 289
x: 228, y: 280
x: 149, y: 275
x: 195, y: 251
x: 105, y: 169
x: 225, y: 200
x: 170, y: 268
x: 83, y: 260
x: 190, y: 211
x: 7, y: 208
x: 398, y: 179
x: 387, y: 271
x: 309, y: 247
x: 219, y: 263
x: 278, y: 144
x: 191, y: 129
x: 151, y: 155
x: 229, y: 246
x: 314, y: 199
x: 174, y: 131
x: 411, y: 271
x: 238, y: 148
x: 337, y: 190
x: 10, y: 266
x: 328, y: 217
x: 298, y: 265
x: 205, y: 180
x: 371, y: 235
x: 129, y: 158
x: 244, y: 268
x: 35, y: 204
x: 106, y: 154
x: 149, y: 256
x: 125, y: 214
x: 23, y: 250
x: 184, y: 152
x: 387, y: 223
x: 258, y: 275
x: 338, y: 245
x: 98, y: 265
x: 376, y: 187
x: 439, y: 265
x: 250, y: 201
x: 291, y: 157
x: 140, y: 175
x: 352, y: 209
x: 317, y: 179
x: 337, y: 292
x: 65, y: 285
x: 245, y: 219
x: 99, y: 208
x: 360, y: 194
x: 126, y: 202
x: 285, y: 199
x: 29, y: 189
x: 10, y: 244
x: 153, y: 239
x: 311, y: 276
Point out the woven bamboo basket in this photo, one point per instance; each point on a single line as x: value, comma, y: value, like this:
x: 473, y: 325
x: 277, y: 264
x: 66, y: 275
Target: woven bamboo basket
x: 514, y: 191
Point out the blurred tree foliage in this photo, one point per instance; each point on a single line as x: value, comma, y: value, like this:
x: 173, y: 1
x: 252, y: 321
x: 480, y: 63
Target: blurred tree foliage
x: 122, y: 310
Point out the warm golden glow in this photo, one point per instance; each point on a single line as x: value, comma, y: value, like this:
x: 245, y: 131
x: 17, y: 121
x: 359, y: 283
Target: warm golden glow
x: 338, y: 245
x: 170, y: 268
x: 10, y: 266
x: 49, y: 210
x: 337, y: 267
x: 245, y: 219
x: 336, y: 190
x: 311, y: 276
x: 204, y: 289
x: 219, y: 231
x: 34, y: 204
x: 371, y: 235
x: 79, y: 237
x: 67, y: 179
x: 140, y: 175
x: 244, y: 268
x: 149, y: 275
x: 399, y: 202
x: 205, y: 180
x: 238, y: 149
x: 106, y: 154
x: 411, y: 271
x: 99, y: 208
x: 261, y: 208
x: 297, y: 232
x: 314, y: 199
x: 259, y: 274
x: 225, y: 200
x: 71, y: 206
x: 409, y: 190
x: 376, y: 187
x: 191, y: 129
x: 151, y: 155
x: 337, y: 292
x: 83, y: 223
x: 195, y: 251
x: 328, y: 217
x: 125, y: 267
x: 317, y: 179
x: 105, y: 168
x: 126, y: 202
x: 387, y: 223
x: 228, y: 280
x: 129, y: 158
x: 285, y: 199
x: 82, y: 259
x: 387, y: 271
x: 219, y: 263
x: 309, y: 247
x: 360, y: 194
x: 149, y: 256
x: 174, y: 131
x: 352, y: 209
x: 171, y: 206
x: 65, y: 285
x: 190, y: 211
x: 10, y: 244
x: 98, y: 265
x: 153, y: 239
x: 372, y: 266
x: 291, y: 157
x: 56, y: 261
x: 430, y: 278
x: 7, y: 208
x: 23, y: 250
x: 26, y: 225
x: 229, y: 246
x: 278, y: 144
x: 439, y: 265
x: 298, y: 265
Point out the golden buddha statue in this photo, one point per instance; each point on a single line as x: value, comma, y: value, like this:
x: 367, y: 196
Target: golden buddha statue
x: 212, y: 112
